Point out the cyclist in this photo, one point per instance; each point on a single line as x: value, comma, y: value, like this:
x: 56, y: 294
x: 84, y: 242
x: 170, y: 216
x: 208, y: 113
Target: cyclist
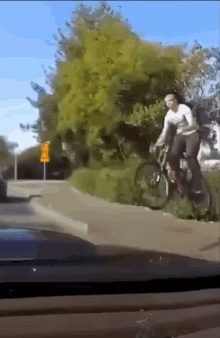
x: 186, y: 138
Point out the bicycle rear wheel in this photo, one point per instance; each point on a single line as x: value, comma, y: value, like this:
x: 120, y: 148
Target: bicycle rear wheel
x: 152, y: 184
x: 201, y: 201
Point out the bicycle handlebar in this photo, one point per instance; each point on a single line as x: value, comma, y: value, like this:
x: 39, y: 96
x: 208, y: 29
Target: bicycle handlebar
x: 153, y: 148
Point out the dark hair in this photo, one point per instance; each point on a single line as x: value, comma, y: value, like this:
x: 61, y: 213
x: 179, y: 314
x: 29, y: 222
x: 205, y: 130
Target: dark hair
x: 178, y: 96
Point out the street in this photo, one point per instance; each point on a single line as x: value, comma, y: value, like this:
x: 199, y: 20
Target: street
x: 121, y: 262
x: 16, y: 213
x: 62, y: 208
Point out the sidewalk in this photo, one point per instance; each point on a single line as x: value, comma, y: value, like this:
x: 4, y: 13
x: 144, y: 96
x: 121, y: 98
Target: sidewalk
x: 137, y: 227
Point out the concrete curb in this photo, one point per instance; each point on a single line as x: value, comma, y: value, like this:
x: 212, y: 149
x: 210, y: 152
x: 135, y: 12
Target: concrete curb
x: 18, y: 182
x: 58, y: 218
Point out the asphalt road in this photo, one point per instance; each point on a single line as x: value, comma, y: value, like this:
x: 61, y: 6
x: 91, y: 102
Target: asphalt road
x: 114, y: 225
x: 17, y: 213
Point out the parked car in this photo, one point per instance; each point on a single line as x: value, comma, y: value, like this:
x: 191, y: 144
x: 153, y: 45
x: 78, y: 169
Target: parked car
x: 3, y: 188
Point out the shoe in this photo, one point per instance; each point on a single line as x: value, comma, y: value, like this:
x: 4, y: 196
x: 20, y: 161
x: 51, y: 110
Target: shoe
x: 197, y: 191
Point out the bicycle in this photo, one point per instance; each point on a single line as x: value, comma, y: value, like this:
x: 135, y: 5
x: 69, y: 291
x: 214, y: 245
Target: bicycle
x: 156, y: 181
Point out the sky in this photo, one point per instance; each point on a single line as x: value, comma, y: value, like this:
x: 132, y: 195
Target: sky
x: 26, y: 26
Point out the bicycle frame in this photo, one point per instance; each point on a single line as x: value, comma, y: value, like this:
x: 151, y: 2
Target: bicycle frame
x: 162, y: 158
x: 164, y: 164
x: 162, y: 161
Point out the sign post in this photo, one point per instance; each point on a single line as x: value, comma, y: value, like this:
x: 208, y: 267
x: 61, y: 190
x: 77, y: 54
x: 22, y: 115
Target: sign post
x: 16, y: 167
x: 44, y: 156
x: 44, y: 171
x: 16, y: 151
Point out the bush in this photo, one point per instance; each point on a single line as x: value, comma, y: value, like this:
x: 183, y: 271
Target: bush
x: 115, y: 183
x: 84, y: 180
x: 212, y: 179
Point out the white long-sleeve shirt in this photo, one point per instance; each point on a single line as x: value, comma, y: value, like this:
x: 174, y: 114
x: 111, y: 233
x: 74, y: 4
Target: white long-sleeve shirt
x: 183, y: 119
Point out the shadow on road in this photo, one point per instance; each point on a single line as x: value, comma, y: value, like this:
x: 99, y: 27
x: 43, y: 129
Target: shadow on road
x: 13, y: 200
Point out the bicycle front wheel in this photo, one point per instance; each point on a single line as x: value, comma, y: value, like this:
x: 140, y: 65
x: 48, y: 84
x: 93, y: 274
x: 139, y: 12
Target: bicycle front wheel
x: 153, y: 185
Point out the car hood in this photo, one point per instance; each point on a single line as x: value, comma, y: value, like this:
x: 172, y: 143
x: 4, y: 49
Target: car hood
x: 94, y: 262
x: 24, y: 244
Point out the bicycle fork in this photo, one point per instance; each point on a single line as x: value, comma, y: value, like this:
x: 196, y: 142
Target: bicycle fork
x: 156, y: 176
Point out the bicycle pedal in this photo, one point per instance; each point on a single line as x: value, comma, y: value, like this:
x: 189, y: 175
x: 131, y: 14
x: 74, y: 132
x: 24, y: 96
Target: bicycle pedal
x: 158, y: 178
x: 197, y: 192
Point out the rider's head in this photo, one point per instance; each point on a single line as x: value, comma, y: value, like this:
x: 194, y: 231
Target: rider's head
x: 171, y: 101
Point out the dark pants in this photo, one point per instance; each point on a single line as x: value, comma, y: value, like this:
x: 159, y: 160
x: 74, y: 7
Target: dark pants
x: 189, y: 144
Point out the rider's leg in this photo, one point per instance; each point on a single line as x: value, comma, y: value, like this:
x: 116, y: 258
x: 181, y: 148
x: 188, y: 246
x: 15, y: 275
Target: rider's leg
x: 192, y: 149
x: 176, y: 151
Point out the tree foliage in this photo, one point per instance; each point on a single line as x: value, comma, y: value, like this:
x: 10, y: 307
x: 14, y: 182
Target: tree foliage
x: 6, y: 149
x: 45, y: 126
x: 109, y: 82
x: 201, y: 66
x: 115, y: 70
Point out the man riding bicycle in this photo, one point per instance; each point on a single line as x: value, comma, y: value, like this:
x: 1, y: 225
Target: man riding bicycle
x: 186, y: 138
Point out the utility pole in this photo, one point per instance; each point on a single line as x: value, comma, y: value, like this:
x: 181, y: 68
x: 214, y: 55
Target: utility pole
x: 16, y: 167
x: 16, y: 151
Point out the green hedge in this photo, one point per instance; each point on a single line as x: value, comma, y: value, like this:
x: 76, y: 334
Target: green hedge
x: 115, y: 184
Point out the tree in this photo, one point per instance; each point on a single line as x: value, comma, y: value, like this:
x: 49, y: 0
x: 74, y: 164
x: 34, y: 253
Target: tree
x: 49, y: 77
x: 199, y: 67
x: 109, y: 77
x: 107, y: 82
x: 36, y: 127
x: 73, y: 48
x: 106, y: 76
x: 83, y: 16
x: 6, y: 148
x: 46, y: 124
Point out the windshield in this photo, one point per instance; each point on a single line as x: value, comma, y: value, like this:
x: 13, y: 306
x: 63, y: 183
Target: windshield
x: 80, y: 110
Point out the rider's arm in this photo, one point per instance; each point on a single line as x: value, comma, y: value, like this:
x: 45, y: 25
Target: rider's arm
x: 192, y: 124
x: 161, y: 140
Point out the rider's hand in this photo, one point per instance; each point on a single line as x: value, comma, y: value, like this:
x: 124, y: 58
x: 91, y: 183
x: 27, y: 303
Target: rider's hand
x: 154, y: 148
x: 159, y: 145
